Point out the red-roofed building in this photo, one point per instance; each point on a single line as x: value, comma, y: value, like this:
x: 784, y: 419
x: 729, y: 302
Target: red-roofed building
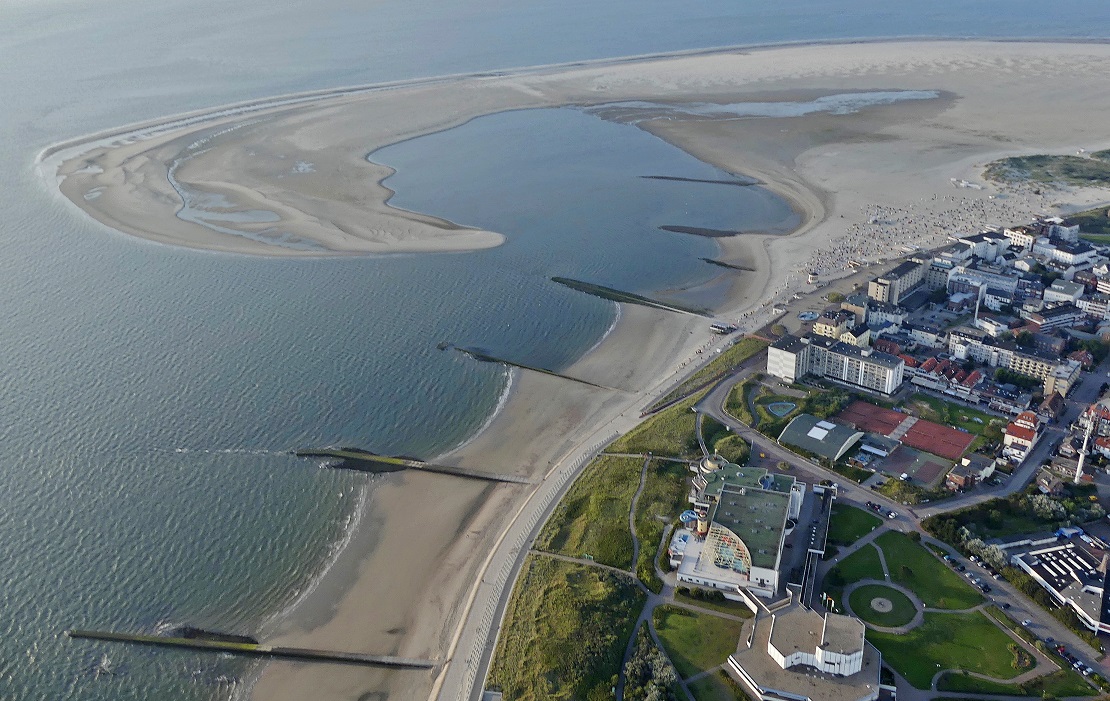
x: 946, y: 376
x: 885, y: 345
x: 909, y: 360
x: 1084, y: 357
x: 1027, y: 419
x: 1021, y: 435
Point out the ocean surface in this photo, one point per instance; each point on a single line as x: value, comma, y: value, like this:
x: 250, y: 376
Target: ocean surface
x: 150, y: 394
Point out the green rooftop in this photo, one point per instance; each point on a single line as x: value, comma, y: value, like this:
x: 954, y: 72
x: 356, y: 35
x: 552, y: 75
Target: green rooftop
x: 757, y: 516
x: 755, y: 477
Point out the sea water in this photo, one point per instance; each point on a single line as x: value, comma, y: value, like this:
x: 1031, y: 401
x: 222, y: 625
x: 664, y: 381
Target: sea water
x: 150, y: 394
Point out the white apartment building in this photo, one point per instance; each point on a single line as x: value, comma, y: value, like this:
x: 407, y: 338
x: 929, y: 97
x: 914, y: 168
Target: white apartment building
x: 791, y: 358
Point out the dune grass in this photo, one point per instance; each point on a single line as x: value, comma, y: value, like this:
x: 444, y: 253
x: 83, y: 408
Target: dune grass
x: 565, y: 631
x: 663, y: 499
x: 671, y: 432
x: 592, y: 519
x: 724, y: 363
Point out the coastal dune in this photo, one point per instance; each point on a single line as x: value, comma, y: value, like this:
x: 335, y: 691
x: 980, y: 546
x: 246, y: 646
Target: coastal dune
x: 294, y: 179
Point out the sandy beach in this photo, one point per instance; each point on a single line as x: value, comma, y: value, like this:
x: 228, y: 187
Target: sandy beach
x: 865, y: 184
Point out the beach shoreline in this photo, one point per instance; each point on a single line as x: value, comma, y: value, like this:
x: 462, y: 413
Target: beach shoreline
x: 862, y: 183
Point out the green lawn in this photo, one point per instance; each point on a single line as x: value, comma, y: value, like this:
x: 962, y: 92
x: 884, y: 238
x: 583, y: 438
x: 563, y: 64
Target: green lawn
x: 1061, y: 683
x: 732, y: 608
x: 939, y: 411
x: 736, y: 405
x: 695, y: 642
x: 915, y: 568
x: 663, y: 499
x: 718, y: 687
x: 902, y: 613
x: 1094, y: 225
x: 862, y: 564
x: 849, y: 524
x: 671, y: 432
x: 713, y: 688
x: 592, y: 519
x: 565, y: 632
x: 947, y: 641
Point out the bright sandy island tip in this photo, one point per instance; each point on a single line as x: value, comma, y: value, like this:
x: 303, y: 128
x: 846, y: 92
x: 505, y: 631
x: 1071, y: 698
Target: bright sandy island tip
x: 290, y: 176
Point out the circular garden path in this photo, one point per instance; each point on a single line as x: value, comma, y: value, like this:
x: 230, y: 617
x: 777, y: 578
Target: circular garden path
x: 884, y: 606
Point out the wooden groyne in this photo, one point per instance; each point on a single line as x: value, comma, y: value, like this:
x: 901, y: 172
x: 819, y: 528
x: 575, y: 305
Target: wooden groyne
x: 205, y: 644
x: 735, y: 183
x: 731, y: 266
x: 701, y: 231
x: 483, y: 357
x: 366, y: 461
x: 616, y: 295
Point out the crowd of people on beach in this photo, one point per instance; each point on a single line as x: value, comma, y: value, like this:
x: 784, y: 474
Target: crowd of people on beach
x: 885, y: 232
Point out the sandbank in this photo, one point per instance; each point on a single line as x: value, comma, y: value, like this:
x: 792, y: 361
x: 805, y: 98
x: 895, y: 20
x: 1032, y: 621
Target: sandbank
x: 865, y: 184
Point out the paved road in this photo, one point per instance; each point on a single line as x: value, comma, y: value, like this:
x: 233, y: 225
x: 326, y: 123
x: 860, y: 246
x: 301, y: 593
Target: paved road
x: 508, y: 559
x: 1043, y: 624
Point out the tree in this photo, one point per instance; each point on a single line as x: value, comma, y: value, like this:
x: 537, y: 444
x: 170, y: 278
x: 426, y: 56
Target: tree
x: 1046, y: 508
x: 778, y: 329
x: 836, y: 297
x: 1025, y: 339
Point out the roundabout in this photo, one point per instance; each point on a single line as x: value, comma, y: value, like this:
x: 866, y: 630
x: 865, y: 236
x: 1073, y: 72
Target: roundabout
x: 882, y: 605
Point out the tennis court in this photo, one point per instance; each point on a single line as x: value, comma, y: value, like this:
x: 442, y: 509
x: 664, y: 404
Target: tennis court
x: 871, y: 418
x: 938, y: 440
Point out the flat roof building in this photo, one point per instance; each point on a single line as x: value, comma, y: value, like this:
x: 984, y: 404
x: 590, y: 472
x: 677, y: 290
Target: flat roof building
x: 898, y: 283
x: 797, y: 654
x: 1075, y: 574
x: 791, y: 358
x: 742, y: 515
